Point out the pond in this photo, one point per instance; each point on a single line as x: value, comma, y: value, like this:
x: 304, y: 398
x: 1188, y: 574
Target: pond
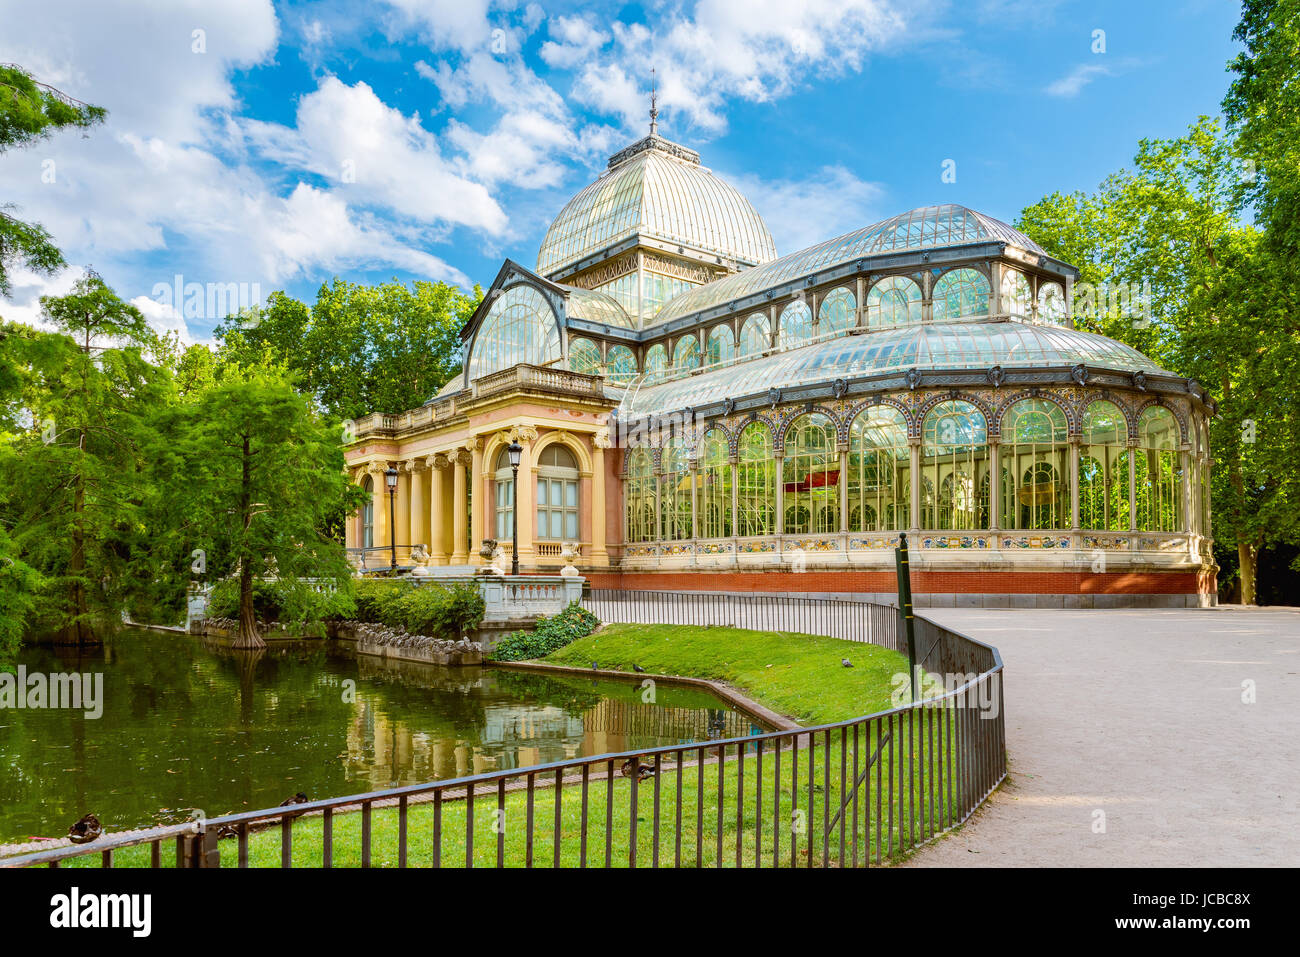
x: 188, y: 725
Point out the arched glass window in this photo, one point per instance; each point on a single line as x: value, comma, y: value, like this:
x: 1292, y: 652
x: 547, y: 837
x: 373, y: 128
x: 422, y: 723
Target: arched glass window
x: 519, y: 327
x: 795, y: 325
x: 755, y: 336
x: 715, y: 485
x: 503, y: 483
x: 811, y: 476
x: 584, y: 356
x: 656, y: 363
x: 1203, y: 473
x: 893, y: 301
x: 959, y: 293
x: 368, y: 514
x: 756, y: 482
x: 836, y: 311
x: 1159, y: 473
x: 1035, y: 460
x: 621, y: 363
x: 1017, y: 299
x: 557, y: 494
x: 1103, y: 468
x: 879, y: 461
x: 954, y: 460
x: 675, y: 491
x: 639, y: 497
x: 1051, y: 303
x: 722, y: 345
x: 686, y: 354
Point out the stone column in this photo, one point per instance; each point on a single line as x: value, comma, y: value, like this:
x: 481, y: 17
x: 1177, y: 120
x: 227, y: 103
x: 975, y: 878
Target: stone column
x: 437, y: 509
x: 1185, y: 463
x: 401, y: 523
x: 599, y: 443
x: 419, y: 526
x: 479, y: 504
x: 459, y: 508
x: 526, y: 492
x: 381, y: 523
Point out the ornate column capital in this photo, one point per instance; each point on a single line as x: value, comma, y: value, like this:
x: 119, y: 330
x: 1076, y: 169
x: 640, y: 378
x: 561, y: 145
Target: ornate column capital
x: 601, y: 440
x: 438, y: 460
x: 520, y: 433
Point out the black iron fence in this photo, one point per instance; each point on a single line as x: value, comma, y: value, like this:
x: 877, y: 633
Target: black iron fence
x: 829, y: 617
x: 852, y: 793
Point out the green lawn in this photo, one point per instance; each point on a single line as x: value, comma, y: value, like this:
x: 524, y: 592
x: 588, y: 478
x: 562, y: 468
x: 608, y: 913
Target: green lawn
x: 724, y: 816
x: 799, y: 676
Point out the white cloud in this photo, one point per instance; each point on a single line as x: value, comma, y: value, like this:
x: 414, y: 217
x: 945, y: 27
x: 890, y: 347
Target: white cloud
x: 446, y: 24
x: 754, y: 50
x: 1073, y: 82
x: 573, y: 39
x: 800, y: 213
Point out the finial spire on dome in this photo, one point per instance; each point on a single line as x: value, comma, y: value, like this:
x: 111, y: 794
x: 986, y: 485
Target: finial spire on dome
x: 654, y: 104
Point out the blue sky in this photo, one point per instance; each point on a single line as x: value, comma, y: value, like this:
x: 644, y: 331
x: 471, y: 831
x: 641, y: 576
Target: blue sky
x: 277, y: 145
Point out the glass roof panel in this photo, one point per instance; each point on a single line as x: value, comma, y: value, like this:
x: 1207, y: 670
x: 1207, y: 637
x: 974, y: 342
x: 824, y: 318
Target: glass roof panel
x: 931, y: 346
x: 596, y: 306
x: 662, y: 196
x: 924, y: 228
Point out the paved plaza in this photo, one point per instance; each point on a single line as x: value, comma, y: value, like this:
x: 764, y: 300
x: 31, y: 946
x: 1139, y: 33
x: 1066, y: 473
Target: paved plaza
x: 1139, y: 713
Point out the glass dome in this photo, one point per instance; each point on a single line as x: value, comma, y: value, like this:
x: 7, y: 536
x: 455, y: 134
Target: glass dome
x: 657, y: 190
x: 958, y: 345
x: 926, y: 227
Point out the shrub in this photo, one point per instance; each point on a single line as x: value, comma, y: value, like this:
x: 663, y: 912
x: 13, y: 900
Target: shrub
x: 288, y: 602
x: 377, y: 600
x: 441, y: 612
x: 551, y: 634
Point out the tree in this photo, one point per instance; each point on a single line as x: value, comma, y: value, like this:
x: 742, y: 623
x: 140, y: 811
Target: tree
x: 30, y: 111
x: 1172, y: 224
x: 70, y: 497
x: 359, y: 349
x: 19, y: 585
x: 244, y: 479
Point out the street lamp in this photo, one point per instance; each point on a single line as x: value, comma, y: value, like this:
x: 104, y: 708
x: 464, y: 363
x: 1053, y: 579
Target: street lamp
x: 514, y: 450
x: 390, y: 476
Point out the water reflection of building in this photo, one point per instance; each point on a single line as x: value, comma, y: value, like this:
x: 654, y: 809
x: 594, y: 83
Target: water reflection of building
x: 384, y: 749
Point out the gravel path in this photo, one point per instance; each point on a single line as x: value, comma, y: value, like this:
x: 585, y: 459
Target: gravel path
x: 1139, y: 714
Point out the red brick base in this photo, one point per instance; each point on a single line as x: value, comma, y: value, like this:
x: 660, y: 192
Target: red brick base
x: 923, y: 582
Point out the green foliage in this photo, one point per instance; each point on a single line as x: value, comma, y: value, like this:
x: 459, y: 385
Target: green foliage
x: 295, y: 604
x: 359, y: 349
x: 442, y: 612
x: 377, y: 599
x: 1218, y: 314
x: 19, y: 585
x: 248, y: 474
x: 430, y: 610
x: 72, y: 490
x: 30, y: 111
x: 551, y: 634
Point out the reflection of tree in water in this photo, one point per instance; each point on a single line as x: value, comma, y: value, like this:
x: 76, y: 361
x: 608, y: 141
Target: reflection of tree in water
x: 192, y: 725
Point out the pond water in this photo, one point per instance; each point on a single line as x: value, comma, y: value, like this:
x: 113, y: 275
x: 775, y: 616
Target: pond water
x: 188, y: 725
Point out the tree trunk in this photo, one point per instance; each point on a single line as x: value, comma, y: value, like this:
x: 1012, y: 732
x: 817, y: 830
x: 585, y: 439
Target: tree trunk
x: 1247, y: 560
x: 248, y: 634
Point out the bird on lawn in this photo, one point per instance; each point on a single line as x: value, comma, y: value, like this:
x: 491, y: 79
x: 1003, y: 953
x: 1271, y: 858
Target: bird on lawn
x: 634, y: 767
x: 846, y: 663
x: 638, y: 669
x: 85, y: 830
x: 594, y: 666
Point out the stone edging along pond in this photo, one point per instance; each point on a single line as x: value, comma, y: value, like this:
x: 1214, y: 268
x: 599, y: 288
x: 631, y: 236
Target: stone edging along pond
x: 753, y: 709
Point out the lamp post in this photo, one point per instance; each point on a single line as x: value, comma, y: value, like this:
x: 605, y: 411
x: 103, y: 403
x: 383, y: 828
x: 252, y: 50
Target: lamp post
x: 390, y: 476
x: 514, y: 450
